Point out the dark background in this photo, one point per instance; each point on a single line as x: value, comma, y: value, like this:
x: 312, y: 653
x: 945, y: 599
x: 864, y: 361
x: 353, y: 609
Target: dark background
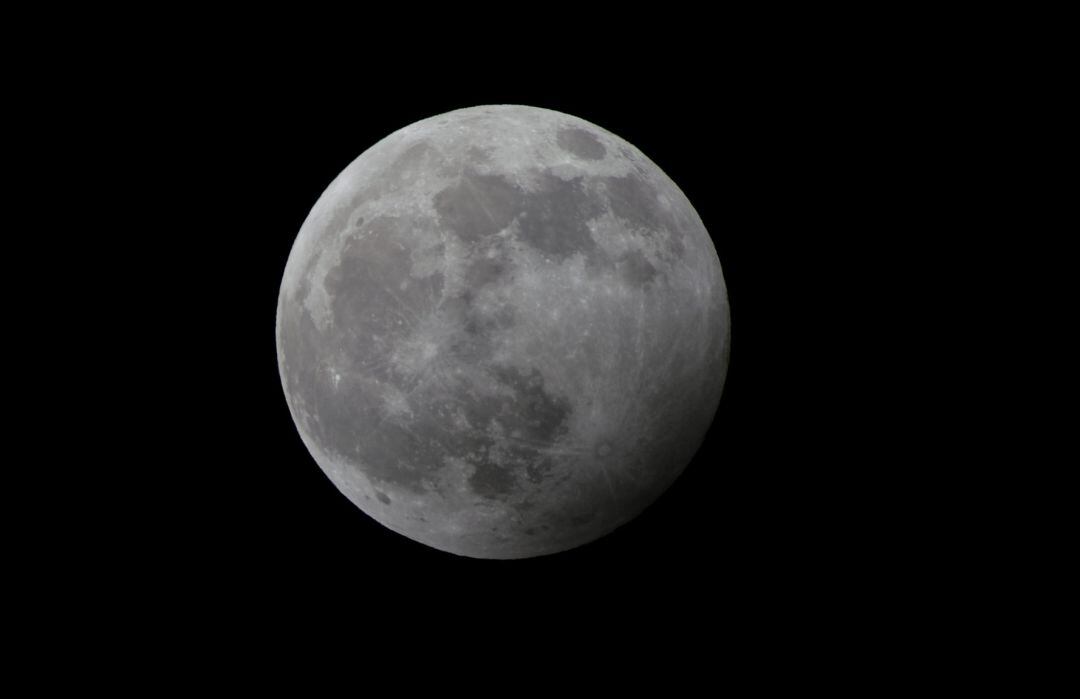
x: 758, y: 494
x: 853, y: 171
x: 783, y: 513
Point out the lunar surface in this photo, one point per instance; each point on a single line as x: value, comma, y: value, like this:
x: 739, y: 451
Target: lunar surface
x: 502, y: 331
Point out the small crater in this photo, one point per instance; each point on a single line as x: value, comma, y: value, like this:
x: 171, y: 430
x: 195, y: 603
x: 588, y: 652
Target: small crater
x: 581, y: 143
x: 383, y: 497
x: 603, y: 449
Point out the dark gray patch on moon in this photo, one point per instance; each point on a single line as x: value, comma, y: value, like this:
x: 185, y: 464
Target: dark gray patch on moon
x: 373, y: 295
x: 518, y: 423
x: 636, y: 201
x: 477, y: 205
x: 483, y: 323
x: 636, y: 269
x: 489, y: 268
x: 479, y: 155
x: 469, y: 341
x: 581, y: 143
x: 491, y: 478
x: 538, y: 415
x: 554, y: 220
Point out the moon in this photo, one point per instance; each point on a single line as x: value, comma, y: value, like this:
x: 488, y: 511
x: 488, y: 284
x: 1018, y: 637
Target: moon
x: 502, y: 332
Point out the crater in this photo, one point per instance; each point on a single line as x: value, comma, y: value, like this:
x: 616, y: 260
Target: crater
x: 581, y: 143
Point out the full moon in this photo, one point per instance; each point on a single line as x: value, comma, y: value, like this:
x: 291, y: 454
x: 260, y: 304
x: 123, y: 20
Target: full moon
x: 502, y: 332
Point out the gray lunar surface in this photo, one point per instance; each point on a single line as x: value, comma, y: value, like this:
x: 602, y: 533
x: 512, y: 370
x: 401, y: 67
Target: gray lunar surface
x: 502, y: 331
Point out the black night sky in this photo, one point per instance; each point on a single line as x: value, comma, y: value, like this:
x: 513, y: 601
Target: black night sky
x: 778, y: 157
x: 830, y: 523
